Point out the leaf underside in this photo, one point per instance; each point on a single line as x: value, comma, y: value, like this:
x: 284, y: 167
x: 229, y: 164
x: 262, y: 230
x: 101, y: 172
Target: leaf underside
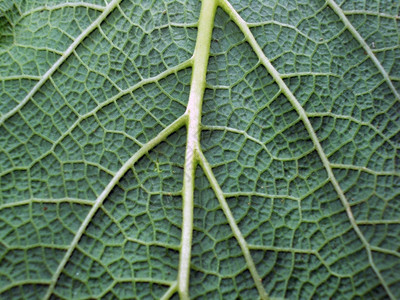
x: 297, y: 174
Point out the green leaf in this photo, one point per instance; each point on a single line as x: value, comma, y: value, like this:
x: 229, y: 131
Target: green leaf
x: 176, y: 149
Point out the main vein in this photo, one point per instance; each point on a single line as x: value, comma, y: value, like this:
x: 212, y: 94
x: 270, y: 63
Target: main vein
x: 197, y: 87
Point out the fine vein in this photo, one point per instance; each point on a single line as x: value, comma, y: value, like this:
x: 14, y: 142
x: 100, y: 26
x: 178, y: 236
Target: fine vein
x: 367, y: 48
x: 99, y: 201
x: 303, y: 116
x: 107, y: 10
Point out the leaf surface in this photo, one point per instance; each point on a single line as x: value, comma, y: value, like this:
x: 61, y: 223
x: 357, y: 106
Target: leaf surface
x: 176, y: 149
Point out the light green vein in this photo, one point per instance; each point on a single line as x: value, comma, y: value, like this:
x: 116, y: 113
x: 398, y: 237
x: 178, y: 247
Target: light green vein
x: 193, y: 111
x: 370, y: 13
x: 364, y: 44
x: 147, y: 279
x: 386, y: 251
x: 255, y: 140
x: 64, y: 5
x: 21, y: 283
x: 232, y: 223
x: 137, y: 241
x: 303, y: 116
x: 36, y: 48
x: 378, y: 222
x: 262, y: 195
x: 44, y: 201
x: 313, y: 74
x: 280, y: 24
x: 108, y: 9
x: 364, y: 169
x: 160, y: 76
x: 99, y: 201
x: 172, y: 289
x: 37, y: 245
x: 296, y: 251
x: 20, y: 77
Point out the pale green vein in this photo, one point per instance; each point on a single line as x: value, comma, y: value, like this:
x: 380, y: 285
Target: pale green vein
x: 295, y: 251
x: 108, y: 9
x: 85, y: 252
x: 352, y: 119
x: 128, y: 280
x: 284, y: 25
x: 364, y: 44
x: 67, y: 103
x: 238, y: 270
x: 89, y: 163
x: 164, y: 193
x: 172, y: 289
x: 370, y: 13
x: 99, y: 201
x: 309, y: 193
x: 257, y: 141
x: 164, y: 26
x: 378, y: 222
x: 193, y: 111
x: 385, y: 49
x: 137, y: 241
x: 338, y: 116
x: 217, y: 87
x: 154, y: 243
x: 19, y: 77
x: 96, y: 72
x: 282, y: 249
x: 303, y: 116
x: 263, y: 195
x: 177, y: 25
x: 232, y: 223
x: 46, y: 200
x: 147, y: 279
x: 314, y: 74
x: 386, y: 251
x: 44, y: 49
x: 21, y: 283
x: 37, y: 245
x: 124, y: 134
x: 64, y: 5
x: 364, y: 169
x: 113, y: 99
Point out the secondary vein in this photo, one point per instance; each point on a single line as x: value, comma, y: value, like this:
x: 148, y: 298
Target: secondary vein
x: 110, y: 7
x: 232, y: 223
x: 100, y: 199
x: 318, y: 147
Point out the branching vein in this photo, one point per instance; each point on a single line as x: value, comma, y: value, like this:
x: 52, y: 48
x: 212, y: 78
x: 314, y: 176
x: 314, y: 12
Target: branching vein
x: 336, y: 8
x: 99, y: 201
x: 303, y: 116
x: 108, y: 9
x: 232, y: 223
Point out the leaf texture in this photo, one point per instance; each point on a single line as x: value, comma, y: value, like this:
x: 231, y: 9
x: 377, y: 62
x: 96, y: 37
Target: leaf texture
x: 176, y: 149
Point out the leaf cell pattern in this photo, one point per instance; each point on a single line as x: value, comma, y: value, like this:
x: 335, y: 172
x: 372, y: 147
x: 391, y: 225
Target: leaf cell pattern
x: 176, y: 149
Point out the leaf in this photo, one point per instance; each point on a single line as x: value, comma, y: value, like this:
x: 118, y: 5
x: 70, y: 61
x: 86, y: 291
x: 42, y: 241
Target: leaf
x: 169, y: 149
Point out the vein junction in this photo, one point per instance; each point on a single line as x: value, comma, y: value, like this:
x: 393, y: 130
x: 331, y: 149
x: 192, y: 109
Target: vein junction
x: 194, y: 155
